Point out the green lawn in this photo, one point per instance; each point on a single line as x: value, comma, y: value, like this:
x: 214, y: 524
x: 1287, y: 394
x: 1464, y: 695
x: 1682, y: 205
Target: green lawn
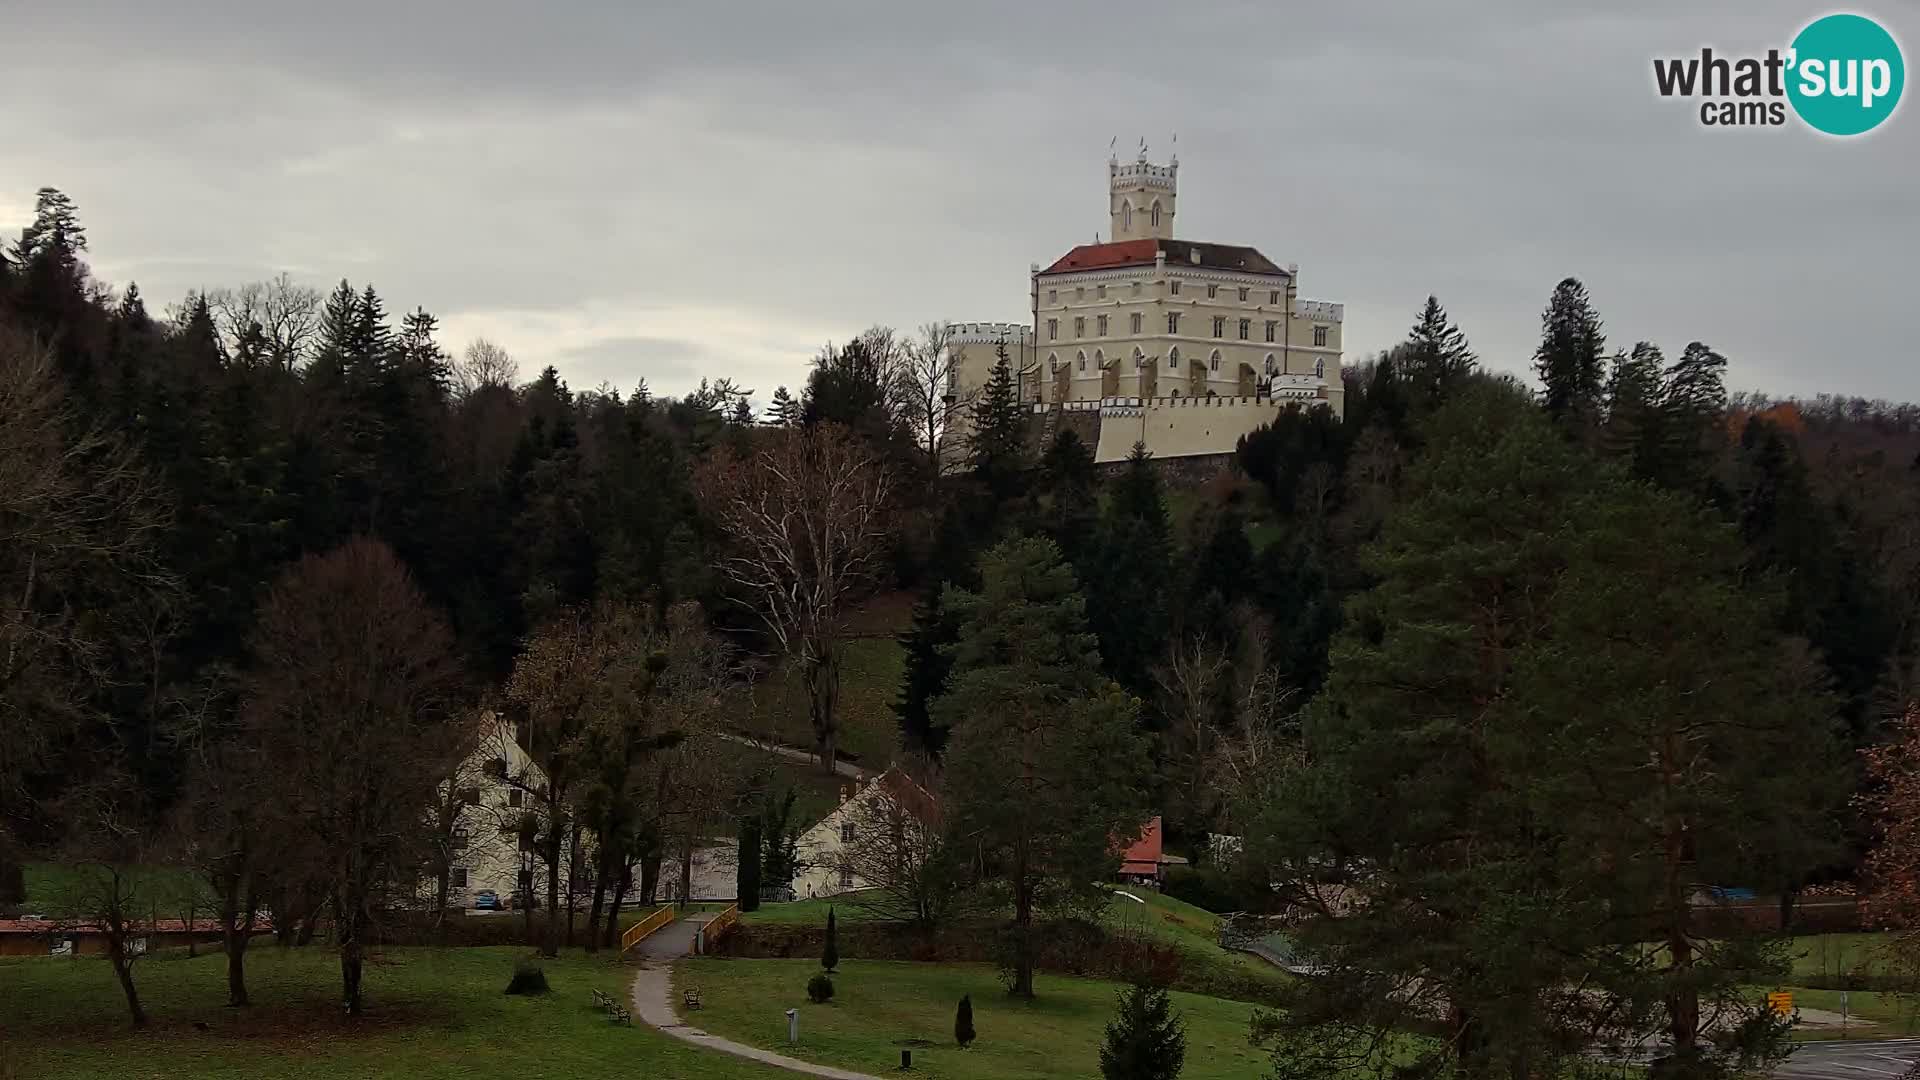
x: 1840, y: 954
x: 879, y: 1007
x: 431, y: 1013
x: 812, y: 912
x: 870, y: 673
x: 55, y: 890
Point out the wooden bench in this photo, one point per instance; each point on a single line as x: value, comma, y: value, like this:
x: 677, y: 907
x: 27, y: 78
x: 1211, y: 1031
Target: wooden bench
x: 690, y: 997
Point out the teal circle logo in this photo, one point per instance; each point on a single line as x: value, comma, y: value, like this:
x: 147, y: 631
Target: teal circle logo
x: 1845, y: 74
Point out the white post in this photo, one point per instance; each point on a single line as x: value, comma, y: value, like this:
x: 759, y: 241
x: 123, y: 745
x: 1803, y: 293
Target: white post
x: 793, y: 1027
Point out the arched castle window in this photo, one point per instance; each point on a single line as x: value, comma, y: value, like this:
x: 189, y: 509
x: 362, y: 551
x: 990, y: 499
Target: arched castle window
x: 1213, y: 362
x: 1126, y: 216
x: 1139, y: 359
x: 1320, y: 368
x: 1099, y: 359
x: 1156, y: 213
x: 1053, y: 362
x: 1080, y: 361
x: 1176, y: 393
x: 1173, y: 358
x: 1272, y: 368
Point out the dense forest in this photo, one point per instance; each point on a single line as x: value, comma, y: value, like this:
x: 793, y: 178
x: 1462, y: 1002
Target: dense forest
x: 1399, y: 627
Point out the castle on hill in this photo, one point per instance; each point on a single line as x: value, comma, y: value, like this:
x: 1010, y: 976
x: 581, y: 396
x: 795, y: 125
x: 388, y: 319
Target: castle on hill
x: 1182, y: 345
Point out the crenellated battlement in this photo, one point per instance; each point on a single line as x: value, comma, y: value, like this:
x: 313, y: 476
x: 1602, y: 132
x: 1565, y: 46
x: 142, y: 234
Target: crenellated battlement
x: 1136, y: 174
x: 1319, y: 310
x: 989, y: 333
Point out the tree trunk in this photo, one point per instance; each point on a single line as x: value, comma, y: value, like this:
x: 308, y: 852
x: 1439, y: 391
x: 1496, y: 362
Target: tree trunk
x: 123, y: 970
x: 599, y: 896
x: 441, y: 886
x: 649, y: 877
x: 551, y: 946
x: 1789, y: 898
x: 1022, y: 922
x: 234, y: 930
x: 573, y: 876
x: 348, y: 930
x: 822, y: 678
x: 619, y: 894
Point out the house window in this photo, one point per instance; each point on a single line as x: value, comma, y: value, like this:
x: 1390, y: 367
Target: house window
x: 1246, y: 327
x: 846, y: 877
x: 1219, y: 326
x: 459, y: 837
x: 1080, y: 326
x: 470, y: 796
x: 1213, y: 362
x: 1053, y: 296
x: 526, y: 841
x: 1101, y: 325
x: 846, y: 832
x: 1271, y: 327
x: 1100, y: 291
x: 1243, y: 294
x: 1273, y: 297
x: 458, y: 878
x: 1213, y: 291
x: 513, y: 797
x: 1134, y: 322
x: 1173, y: 287
x: 1173, y: 322
x: 1173, y: 359
x: 1053, y: 329
x: 1319, y: 335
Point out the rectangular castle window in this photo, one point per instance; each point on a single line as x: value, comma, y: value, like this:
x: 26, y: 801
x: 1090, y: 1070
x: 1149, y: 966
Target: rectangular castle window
x: 1246, y: 326
x: 1053, y: 329
x: 1273, y: 297
x: 1080, y: 326
x: 1219, y: 326
x: 1319, y: 335
x: 1271, y: 326
x: 1053, y: 295
x: 1173, y: 322
x: 1173, y: 287
x: 1134, y: 322
x: 1100, y: 291
x: 1101, y: 325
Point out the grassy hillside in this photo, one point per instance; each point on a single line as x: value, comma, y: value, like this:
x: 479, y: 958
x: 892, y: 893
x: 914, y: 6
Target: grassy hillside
x: 432, y: 1014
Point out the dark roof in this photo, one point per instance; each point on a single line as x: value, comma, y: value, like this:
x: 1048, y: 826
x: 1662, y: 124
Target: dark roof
x: 1179, y: 252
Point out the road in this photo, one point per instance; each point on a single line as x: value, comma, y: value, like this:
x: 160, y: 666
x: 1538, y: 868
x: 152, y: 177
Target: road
x: 1881, y: 1059
x: 844, y: 768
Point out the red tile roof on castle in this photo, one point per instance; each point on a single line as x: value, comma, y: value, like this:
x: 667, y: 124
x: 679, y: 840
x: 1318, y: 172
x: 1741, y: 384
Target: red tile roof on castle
x: 1179, y: 252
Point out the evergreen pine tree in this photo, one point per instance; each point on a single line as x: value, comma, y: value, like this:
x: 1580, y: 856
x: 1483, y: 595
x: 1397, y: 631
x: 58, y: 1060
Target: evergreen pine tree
x: 1071, y: 513
x: 1693, y: 403
x: 1571, y: 358
x: 998, y: 440
x: 1436, y: 358
x: 1633, y: 425
x: 742, y: 414
x: 1146, y: 1040
x: 925, y: 676
x: 1127, y: 584
x: 963, y: 1032
x: 55, y: 234
x: 785, y: 411
x: 830, y: 953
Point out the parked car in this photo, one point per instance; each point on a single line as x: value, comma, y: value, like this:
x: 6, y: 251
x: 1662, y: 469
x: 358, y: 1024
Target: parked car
x: 486, y: 900
x: 524, y: 901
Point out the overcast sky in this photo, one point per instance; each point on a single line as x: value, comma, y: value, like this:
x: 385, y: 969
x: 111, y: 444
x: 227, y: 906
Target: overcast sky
x: 631, y: 190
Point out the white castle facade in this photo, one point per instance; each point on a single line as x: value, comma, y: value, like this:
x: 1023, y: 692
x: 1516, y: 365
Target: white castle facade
x: 1182, y: 345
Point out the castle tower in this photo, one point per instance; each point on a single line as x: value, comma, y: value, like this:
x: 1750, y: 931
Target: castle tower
x: 1140, y: 197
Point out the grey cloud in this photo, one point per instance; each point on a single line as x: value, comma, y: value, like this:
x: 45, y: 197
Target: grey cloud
x: 769, y: 175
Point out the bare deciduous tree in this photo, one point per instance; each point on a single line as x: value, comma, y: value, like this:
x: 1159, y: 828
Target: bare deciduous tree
x: 932, y: 393
x: 805, y: 515
x: 359, y: 706
x: 287, y: 313
x: 485, y: 364
x: 79, y: 521
x: 895, y: 841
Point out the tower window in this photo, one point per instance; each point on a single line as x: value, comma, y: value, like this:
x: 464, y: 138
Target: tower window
x: 1271, y: 327
x: 1079, y: 326
x: 1173, y: 322
x: 1173, y: 287
x: 1126, y: 216
x: 1319, y: 335
x: 1134, y: 322
x: 1101, y: 324
x: 1246, y: 327
x: 1156, y: 215
x: 1053, y: 329
x: 1219, y: 326
x: 1243, y: 294
x: 1213, y: 291
x: 1273, y: 297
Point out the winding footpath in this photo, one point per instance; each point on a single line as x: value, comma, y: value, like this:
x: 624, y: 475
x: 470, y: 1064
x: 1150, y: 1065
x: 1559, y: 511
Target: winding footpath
x: 652, y: 996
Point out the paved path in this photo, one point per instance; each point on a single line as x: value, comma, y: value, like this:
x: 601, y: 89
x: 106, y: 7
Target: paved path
x: 845, y: 768
x: 1878, y: 1059
x: 653, y: 1002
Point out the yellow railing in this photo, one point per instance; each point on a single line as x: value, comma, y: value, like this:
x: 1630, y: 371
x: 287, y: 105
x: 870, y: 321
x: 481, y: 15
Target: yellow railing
x: 645, y: 926
x: 717, y: 928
